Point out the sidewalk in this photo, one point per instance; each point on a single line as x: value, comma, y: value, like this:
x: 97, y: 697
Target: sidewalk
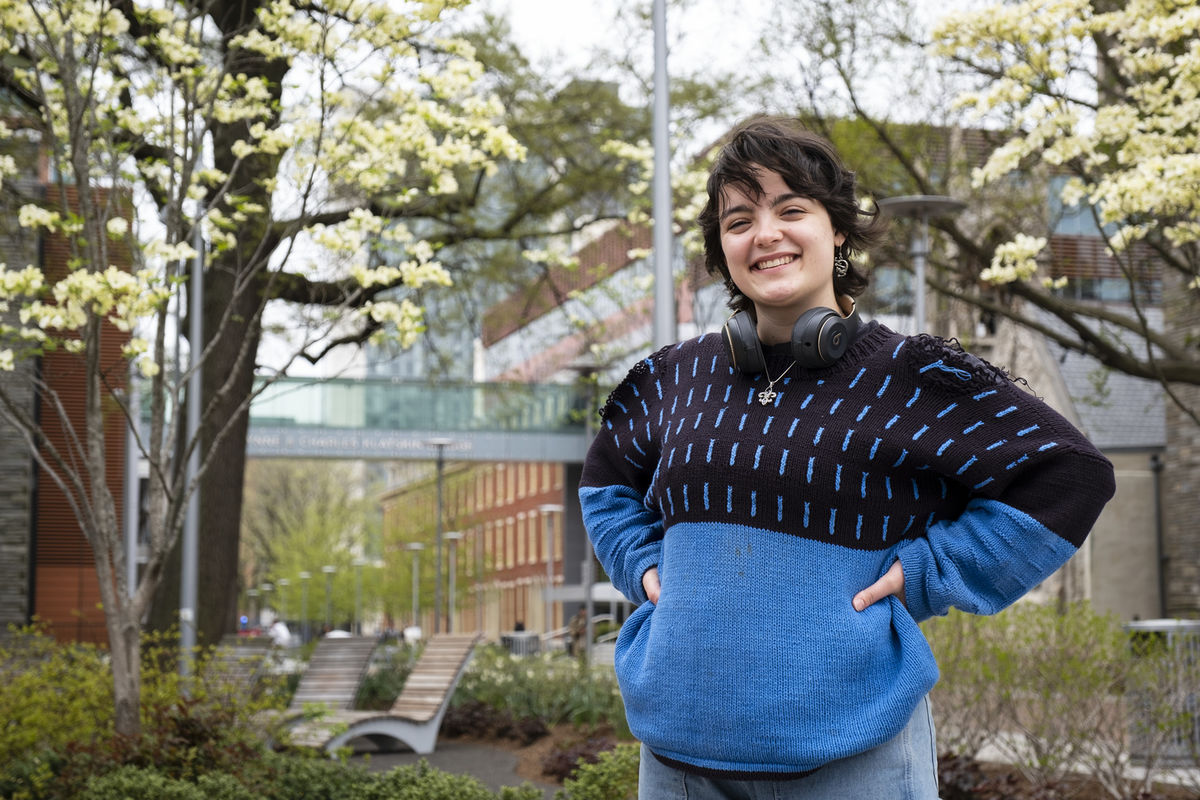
x: 493, y: 766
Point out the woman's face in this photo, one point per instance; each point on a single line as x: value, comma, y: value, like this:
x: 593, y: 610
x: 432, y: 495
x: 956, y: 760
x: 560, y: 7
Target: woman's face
x: 779, y: 249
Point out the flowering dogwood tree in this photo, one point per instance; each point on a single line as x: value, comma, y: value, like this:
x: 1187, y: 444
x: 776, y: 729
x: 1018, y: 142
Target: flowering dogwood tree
x: 1107, y: 94
x: 283, y: 137
x: 1095, y: 99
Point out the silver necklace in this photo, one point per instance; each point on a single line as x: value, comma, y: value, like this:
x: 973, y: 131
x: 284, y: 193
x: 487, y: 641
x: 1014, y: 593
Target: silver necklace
x: 768, y: 395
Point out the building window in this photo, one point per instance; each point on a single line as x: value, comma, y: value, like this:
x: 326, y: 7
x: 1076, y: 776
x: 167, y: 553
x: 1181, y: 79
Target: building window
x: 535, y: 525
x: 1093, y: 273
x: 521, y: 557
x: 558, y: 537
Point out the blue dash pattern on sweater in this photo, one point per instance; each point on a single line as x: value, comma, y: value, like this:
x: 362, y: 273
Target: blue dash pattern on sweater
x: 765, y: 520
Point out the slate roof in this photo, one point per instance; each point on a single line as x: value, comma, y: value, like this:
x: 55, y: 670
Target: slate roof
x: 1116, y: 411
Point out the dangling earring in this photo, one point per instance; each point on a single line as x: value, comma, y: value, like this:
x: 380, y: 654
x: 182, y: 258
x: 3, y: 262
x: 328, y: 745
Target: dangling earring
x: 841, y: 266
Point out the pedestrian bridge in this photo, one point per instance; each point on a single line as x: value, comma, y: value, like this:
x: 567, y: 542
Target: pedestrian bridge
x: 388, y: 419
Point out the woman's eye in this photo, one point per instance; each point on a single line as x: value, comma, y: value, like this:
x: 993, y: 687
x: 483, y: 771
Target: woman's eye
x: 736, y: 225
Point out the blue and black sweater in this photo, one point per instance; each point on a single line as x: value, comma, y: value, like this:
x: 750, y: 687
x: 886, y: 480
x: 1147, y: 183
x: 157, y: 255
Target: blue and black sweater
x: 764, y: 521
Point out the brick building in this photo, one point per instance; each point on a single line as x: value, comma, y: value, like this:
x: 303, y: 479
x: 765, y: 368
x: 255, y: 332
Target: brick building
x: 47, y: 570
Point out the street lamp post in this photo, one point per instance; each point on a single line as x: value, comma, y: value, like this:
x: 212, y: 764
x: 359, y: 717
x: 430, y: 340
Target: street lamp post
x: 453, y: 537
x: 328, y: 569
x: 283, y: 584
x: 441, y: 443
x: 304, y: 576
x: 920, y: 207
x: 587, y: 367
x: 265, y: 590
x: 416, y: 548
x: 253, y: 595
x: 548, y: 510
x: 665, y: 327
x: 357, y: 624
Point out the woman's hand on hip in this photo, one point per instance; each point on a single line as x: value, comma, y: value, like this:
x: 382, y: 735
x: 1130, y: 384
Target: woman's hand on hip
x: 892, y: 582
x: 651, y: 585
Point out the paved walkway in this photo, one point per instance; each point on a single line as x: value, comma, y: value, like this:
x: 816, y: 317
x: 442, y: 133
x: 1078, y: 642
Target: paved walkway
x: 493, y: 766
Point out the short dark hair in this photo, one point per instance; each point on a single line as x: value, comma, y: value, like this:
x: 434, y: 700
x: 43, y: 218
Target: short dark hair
x: 810, y: 166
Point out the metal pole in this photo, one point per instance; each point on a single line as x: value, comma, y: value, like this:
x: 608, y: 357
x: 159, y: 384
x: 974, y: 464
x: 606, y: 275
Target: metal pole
x: 356, y: 626
x: 548, y: 509
x: 920, y: 248
x: 283, y: 583
x: 453, y: 537
x: 664, y: 279
x: 549, y: 573
x: 191, y: 523
x: 589, y: 578
x: 440, y: 444
x: 328, y: 570
x: 132, y: 498
x: 920, y: 207
x: 479, y: 561
x: 416, y: 548
x: 437, y: 587
x: 304, y: 576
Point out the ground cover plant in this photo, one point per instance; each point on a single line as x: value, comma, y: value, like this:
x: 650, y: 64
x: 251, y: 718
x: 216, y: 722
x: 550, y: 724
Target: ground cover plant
x: 550, y: 688
x: 1037, y: 703
x: 1058, y: 694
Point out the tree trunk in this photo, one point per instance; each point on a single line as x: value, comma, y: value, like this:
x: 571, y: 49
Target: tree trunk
x: 232, y: 331
x: 125, y: 648
x: 217, y: 580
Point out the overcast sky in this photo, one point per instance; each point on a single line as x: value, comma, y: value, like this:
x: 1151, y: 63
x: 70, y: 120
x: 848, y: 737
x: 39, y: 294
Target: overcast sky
x: 714, y: 29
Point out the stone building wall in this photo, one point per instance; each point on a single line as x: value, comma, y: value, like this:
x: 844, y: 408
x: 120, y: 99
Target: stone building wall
x: 1181, y: 464
x: 17, y: 249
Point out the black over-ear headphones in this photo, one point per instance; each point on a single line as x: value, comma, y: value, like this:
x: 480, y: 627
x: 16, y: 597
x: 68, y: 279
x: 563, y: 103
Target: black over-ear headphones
x: 819, y: 338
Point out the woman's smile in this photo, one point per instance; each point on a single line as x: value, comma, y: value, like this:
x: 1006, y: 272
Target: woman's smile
x: 778, y: 245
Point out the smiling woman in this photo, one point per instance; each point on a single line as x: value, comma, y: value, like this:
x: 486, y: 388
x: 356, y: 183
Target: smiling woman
x: 800, y: 492
x: 779, y: 250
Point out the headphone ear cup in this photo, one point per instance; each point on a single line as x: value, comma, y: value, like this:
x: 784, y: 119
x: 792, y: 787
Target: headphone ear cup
x: 744, y: 347
x: 820, y: 337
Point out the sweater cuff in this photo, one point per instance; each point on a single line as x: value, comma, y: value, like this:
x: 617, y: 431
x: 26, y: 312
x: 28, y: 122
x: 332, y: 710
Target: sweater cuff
x: 647, y: 557
x: 916, y: 558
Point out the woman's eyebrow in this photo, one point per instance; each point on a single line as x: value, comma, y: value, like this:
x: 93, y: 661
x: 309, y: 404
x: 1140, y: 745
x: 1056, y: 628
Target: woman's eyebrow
x: 738, y: 209
x: 786, y: 197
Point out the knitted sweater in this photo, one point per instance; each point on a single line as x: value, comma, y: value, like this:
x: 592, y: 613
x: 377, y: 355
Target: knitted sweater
x: 765, y: 520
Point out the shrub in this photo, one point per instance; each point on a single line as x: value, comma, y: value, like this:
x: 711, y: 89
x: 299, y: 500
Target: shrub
x: 309, y: 776
x: 550, y: 687
x: 136, y: 783
x: 566, y: 757
x: 51, y: 695
x: 475, y: 718
x: 422, y: 782
x: 1050, y: 688
x: 57, y: 701
x: 383, y: 684
x: 614, y: 776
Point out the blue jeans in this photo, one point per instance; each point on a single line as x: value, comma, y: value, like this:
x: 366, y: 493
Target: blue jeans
x: 904, y: 768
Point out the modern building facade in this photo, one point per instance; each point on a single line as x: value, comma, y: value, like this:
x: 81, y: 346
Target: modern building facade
x: 47, y: 569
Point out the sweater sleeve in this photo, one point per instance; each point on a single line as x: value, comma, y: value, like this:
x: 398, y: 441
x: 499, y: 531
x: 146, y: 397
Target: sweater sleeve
x: 625, y: 528
x: 1036, y: 487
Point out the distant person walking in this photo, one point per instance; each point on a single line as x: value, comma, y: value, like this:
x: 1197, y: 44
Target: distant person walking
x: 787, y: 499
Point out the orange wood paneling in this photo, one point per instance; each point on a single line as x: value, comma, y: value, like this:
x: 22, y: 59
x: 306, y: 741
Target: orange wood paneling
x: 67, y: 595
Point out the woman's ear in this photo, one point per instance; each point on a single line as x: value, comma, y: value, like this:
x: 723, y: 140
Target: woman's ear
x: 839, y: 238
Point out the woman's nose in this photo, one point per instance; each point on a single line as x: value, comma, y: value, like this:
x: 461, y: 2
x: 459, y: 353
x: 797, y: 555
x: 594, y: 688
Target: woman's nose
x: 767, y: 234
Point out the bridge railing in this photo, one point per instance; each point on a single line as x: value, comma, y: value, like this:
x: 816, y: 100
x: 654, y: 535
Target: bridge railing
x: 386, y: 404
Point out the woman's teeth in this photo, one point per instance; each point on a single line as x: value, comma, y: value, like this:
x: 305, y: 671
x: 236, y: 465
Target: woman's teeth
x: 774, y: 262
